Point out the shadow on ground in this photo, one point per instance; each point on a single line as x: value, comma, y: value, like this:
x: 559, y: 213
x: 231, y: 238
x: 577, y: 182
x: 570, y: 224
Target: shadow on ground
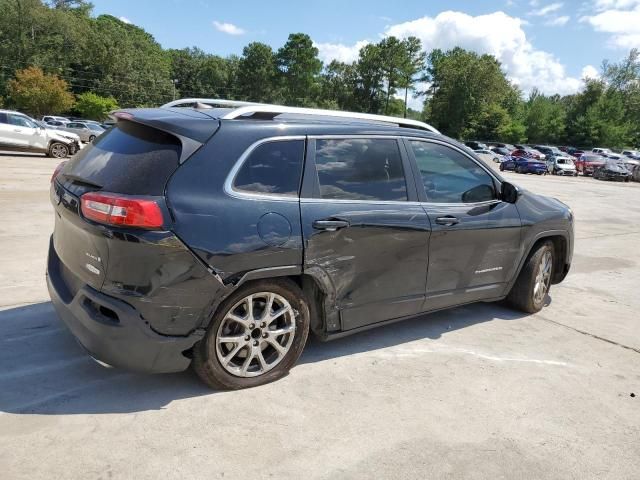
x: 44, y: 371
x: 5, y: 153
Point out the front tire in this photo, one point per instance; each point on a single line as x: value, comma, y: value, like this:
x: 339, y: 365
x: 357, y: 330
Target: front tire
x: 255, y: 337
x: 58, y: 150
x: 530, y: 290
x: 92, y: 138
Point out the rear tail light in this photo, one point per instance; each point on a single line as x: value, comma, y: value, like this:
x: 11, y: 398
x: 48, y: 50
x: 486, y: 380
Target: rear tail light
x: 116, y: 209
x: 57, y: 170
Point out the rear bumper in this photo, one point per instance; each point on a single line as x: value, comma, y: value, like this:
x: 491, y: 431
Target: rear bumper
x: 112, y: 331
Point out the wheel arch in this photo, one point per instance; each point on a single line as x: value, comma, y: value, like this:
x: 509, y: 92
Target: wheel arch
x: 316, y: 286
x: 561, y: 246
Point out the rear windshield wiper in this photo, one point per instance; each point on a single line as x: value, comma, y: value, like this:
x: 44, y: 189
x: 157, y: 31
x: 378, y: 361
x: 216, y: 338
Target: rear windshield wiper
x: 80, y: 180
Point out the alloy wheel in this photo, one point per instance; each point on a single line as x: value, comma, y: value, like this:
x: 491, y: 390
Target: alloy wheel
x: 59, y: 151
x: 543, y: 277
x: 255, y: 334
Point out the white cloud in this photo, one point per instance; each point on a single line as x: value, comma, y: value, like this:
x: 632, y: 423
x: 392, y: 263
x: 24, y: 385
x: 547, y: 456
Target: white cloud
x: 558, y: 21
x: 589, y: 71
x: 620, y: 19
x: 546, y: 10
x: 615, y: 4
x: 497, y: 34
x: 338, y: 51
x: 124, y: 20
x: 228, y: 28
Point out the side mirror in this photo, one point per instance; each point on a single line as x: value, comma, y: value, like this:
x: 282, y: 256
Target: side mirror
x: 509, y: 192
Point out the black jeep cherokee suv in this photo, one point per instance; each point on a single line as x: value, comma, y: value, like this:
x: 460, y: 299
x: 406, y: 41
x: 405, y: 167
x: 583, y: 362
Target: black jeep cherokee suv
x: 219, y: 237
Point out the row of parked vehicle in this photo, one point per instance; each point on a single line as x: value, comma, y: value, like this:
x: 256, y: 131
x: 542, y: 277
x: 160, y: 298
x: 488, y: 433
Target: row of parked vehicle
x: 87, y: 130
x: 57, y: 137
x: 601, y: 163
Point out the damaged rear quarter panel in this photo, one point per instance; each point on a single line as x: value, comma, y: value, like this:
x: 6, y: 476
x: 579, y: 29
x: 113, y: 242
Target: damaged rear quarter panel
x: 158, y: 275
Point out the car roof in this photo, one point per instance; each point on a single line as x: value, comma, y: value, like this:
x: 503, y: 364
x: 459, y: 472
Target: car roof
x: 196, y: 123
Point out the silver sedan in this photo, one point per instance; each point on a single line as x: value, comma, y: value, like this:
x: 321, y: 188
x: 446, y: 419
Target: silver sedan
x: 87, y: 131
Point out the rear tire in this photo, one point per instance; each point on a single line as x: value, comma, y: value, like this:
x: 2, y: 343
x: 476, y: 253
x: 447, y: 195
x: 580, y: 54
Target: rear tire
x: 532, y: 286
x: 92, y: 138
x: 255, y: 354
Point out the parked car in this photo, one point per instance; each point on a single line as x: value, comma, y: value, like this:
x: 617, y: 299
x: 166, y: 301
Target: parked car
x: 476, y: 145
x: 87, y: 131
x: 635, y: 154
x: 629, y: 162
x: 529, y: 152
x: 508, y: 146
x: 575, y: 152
x: 601, y: 151
x: 226, y: 247
x: 54, y: 123
x: 488, y: 155
x: 588, y: 162
x: 72, y: 136
x: 502, y: 151
x: 562, y: 165
x: 612, y: 170
x: 521, y: 164
x: 549, y: 151
x: 53, y: 118
x: 21, y: 133
x: 635, y: 173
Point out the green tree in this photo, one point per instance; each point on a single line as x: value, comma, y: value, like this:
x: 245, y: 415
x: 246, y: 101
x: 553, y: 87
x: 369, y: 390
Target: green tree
x: 256, y: 73
x: 37, y: 93
x: 414, y: 63
x: 466, y: 90
x: 95, y: 107
x: 370, y: 90
x: 545, y: 118
x: 299, y: 68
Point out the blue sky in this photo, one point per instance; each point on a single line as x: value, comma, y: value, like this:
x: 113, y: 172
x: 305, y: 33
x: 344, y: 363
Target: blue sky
x: 546, y: 44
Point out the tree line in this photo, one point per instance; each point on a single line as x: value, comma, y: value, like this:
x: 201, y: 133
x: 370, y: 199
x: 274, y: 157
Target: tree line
x: 102, y: 62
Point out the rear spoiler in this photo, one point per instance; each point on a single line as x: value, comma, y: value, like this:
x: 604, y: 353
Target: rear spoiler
x: 193, y: 129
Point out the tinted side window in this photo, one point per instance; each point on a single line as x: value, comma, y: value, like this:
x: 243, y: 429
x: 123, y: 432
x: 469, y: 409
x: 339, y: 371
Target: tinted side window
x: 21, y: 121
x: 360, y: 169
x: 3, y: 118
x: 451, y: 177
x: 272, y: 168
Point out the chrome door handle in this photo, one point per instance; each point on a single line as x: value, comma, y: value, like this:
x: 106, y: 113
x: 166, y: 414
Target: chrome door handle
x: 330, y: 225
x: 447, y: 220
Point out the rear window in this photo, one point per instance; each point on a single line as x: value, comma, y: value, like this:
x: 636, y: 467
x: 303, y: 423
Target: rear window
x: 272, y: 168
x: 130, y: 158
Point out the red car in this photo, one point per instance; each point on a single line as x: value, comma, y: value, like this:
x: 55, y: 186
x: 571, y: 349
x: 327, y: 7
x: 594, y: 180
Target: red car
x: 528, y: 153
x: 588, y: 162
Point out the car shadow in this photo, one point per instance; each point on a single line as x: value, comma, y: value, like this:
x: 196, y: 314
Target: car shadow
x: 45, y: 372
x: 6, y: 153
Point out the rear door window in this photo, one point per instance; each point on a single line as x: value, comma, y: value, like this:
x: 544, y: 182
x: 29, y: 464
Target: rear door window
x: 272, y: 168
x: 130, y: 158
x: 360, y: 169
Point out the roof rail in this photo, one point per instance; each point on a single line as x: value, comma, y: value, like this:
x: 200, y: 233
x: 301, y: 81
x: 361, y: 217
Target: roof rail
x: 245, y: 109
x: 208, y: 101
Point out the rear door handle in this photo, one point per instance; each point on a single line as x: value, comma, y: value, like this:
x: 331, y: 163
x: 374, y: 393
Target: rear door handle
x: 447, y: 220
x: 330, y: 225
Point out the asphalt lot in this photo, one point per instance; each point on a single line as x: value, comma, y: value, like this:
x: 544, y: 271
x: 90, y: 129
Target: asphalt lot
x: 475, y: 392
